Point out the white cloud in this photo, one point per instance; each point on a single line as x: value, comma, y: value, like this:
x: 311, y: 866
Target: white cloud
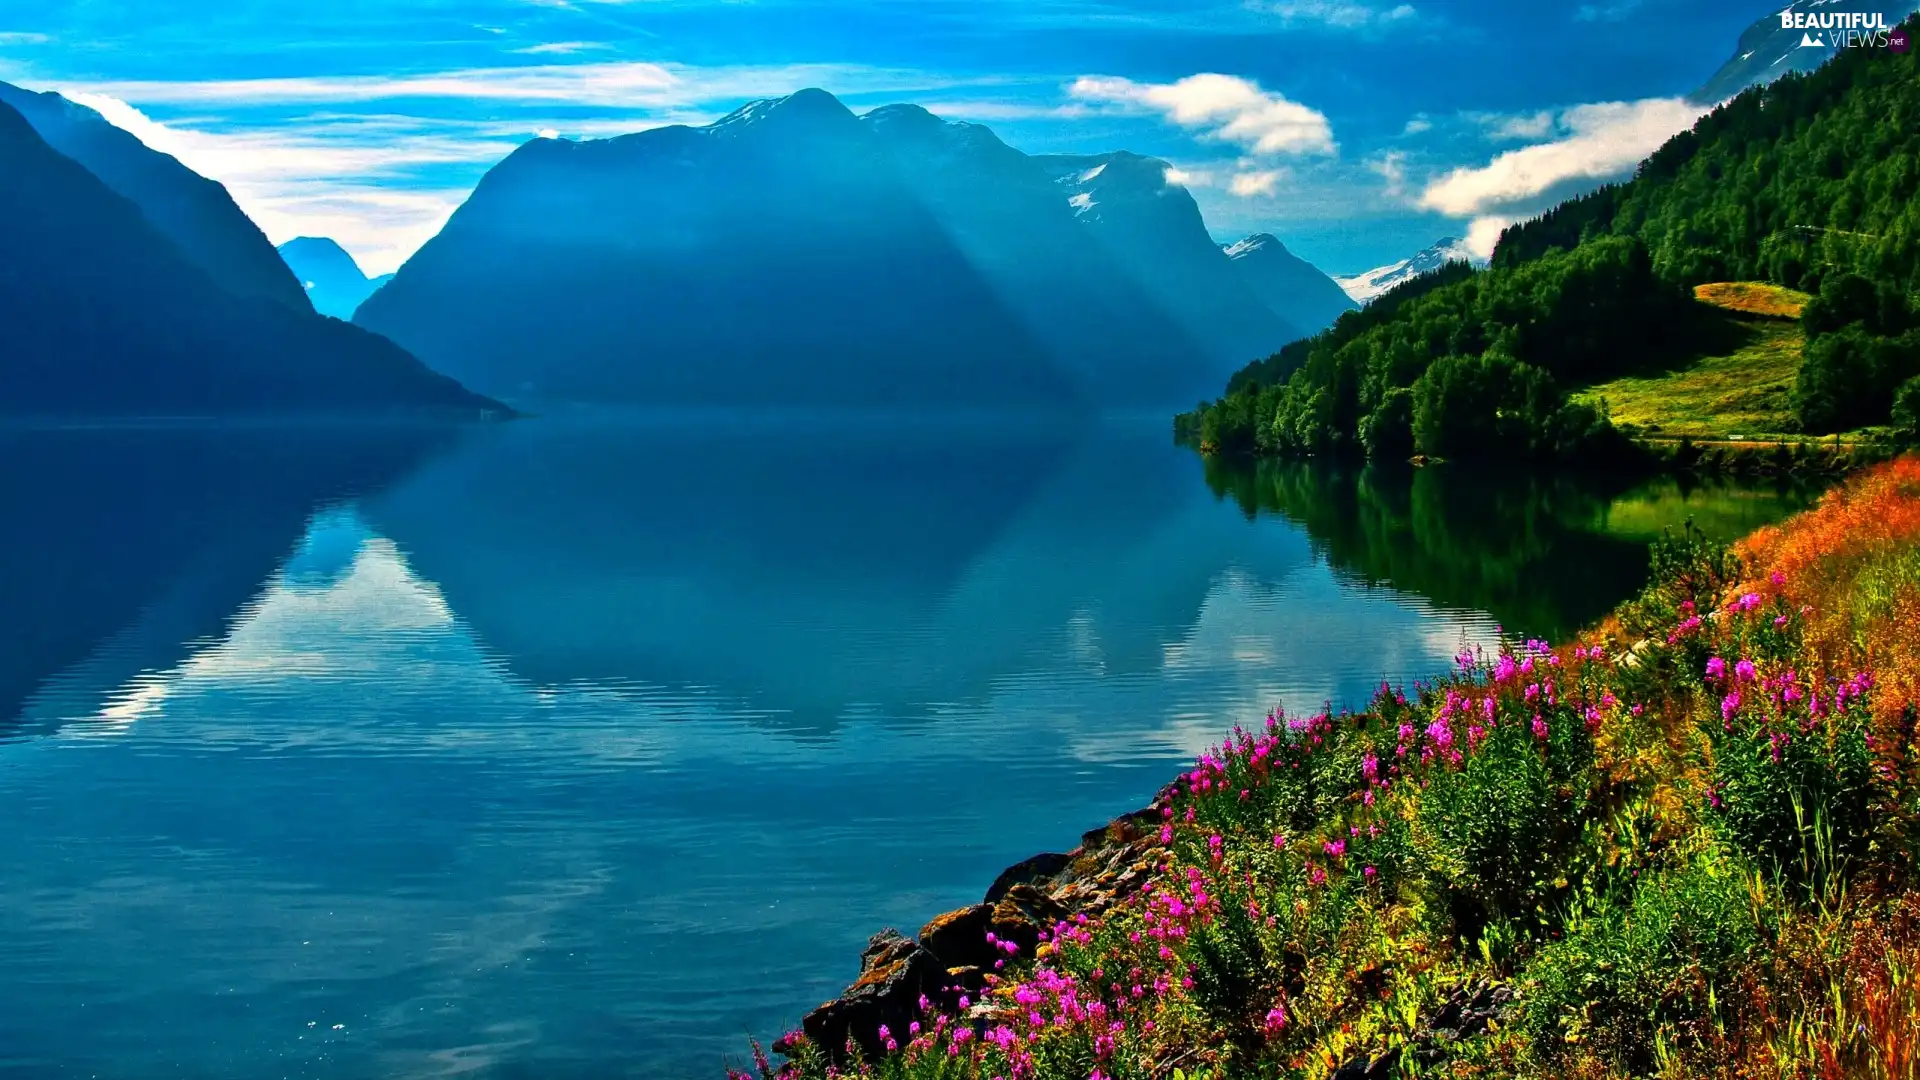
x: 1189, y: 177
x: 630, y: 85
x: 1484, y: 233
x: 1537, y: 125
x: 1605, y: 140
x: 22, y: 37
x: 1262, y: 182
x: 1224, y: 107
x: 1343, y: 14
x: 1391, y: 167
x: 562, y: 48
x: 1418, y: 125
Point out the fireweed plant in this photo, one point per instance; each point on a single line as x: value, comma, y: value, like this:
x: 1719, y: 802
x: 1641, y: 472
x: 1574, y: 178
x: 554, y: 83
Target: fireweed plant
x: 1682, y: 845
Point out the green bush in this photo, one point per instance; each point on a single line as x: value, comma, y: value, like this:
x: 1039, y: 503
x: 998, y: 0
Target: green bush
x: 1495, y: 830
x: 1387, y: 431
x: 1906, y: 409
x: 1849, y: 377
x: 1660, y: 958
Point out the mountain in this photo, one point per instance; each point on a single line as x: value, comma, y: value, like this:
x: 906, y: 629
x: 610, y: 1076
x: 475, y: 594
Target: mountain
x: 194, y: 212
x: 104, y: 315
x: 334, y: 282
x: 1769, y: 48
x: 1153, y: 228
x: 1294, y: 288
x: 1365, y: 286
x: 1015, y: 227
x: 773, y: 257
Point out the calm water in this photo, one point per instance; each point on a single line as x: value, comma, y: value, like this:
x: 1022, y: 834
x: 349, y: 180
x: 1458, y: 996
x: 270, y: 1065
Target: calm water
x: 585, y: 748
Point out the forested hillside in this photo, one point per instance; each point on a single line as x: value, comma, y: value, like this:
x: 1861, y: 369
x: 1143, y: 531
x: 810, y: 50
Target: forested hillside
x: 1812, y: 183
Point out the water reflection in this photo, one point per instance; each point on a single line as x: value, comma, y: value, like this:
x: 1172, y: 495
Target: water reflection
x: 590, y: 745
x: 124, y: 545
x: 1545, y: 554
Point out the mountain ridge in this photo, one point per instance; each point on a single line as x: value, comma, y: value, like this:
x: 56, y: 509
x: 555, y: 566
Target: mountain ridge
x: 795, y: 253
x: 198, y: 214
x: 107, y: 317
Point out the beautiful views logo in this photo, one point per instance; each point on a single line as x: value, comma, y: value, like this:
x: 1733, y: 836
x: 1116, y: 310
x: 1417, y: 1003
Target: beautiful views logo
x: 1843, y: 29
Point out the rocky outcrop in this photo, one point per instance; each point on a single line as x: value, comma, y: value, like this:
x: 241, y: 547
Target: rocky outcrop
x: 953, y: 954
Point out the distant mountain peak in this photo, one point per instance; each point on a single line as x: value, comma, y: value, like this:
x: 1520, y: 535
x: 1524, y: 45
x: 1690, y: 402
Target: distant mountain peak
x: 332, y: 277
x: 904, y: 114
x: 1295, y: 289
x: 807, y: 109
x: 1364, y: 287
x: 316, y: 245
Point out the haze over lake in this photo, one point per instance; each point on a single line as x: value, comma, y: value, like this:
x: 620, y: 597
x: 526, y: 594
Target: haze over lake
x: 588, y: 745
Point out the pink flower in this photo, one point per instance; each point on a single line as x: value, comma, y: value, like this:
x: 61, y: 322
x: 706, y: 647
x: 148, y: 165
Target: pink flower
x: 1744, y: 671
x: 1716, y: 668
x: 1276, y: 1020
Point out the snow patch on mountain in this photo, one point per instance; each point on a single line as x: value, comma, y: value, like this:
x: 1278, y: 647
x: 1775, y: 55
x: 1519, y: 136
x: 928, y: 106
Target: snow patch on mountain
x: 1364, y: 287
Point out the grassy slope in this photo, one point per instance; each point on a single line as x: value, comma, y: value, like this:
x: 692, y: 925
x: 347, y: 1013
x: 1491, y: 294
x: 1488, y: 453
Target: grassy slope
x: 1682, y: 846
x: 1742, y: 393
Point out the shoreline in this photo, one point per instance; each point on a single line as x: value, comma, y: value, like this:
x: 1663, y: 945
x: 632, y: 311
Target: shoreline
x: 947, y: 962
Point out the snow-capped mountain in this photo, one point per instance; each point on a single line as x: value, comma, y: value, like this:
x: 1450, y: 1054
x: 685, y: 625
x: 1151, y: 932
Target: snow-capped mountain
x: 1365, y: 286
x: 1294, y: 288
x: 1769, y: 48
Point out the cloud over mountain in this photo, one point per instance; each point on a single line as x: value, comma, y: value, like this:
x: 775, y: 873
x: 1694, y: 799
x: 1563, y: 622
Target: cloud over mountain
x: 1600, y: 141
x: 1223, y: 107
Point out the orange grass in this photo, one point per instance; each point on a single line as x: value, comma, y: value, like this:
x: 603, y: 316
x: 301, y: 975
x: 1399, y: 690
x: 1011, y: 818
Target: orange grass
x: 1855, y: 1012
x: 1855, y: 559
x: 1753, y: 298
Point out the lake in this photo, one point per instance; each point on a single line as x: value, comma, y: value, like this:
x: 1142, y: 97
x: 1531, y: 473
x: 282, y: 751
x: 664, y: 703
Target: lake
x: 589, y: 746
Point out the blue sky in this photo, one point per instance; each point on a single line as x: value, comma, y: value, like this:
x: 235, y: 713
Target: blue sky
x: 1355, y: 130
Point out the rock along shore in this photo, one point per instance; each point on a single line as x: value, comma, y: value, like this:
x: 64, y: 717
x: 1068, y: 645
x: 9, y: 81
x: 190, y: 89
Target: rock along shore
x: 953, y: 954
